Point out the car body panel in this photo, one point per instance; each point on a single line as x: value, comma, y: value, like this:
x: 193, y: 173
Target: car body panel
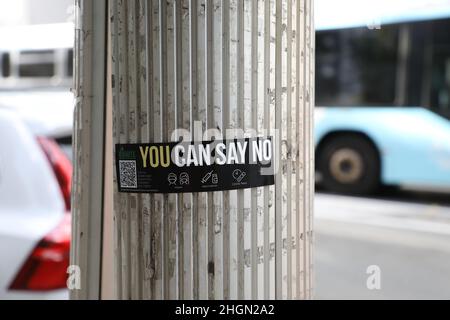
x: 31, y: 203
x: 46, y: 112
x: 413, y: 142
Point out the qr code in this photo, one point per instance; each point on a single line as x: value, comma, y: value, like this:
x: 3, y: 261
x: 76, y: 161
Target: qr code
x: 127, y: 172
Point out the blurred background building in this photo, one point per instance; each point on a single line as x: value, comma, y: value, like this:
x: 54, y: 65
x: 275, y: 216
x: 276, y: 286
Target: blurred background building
x: 24, y: 12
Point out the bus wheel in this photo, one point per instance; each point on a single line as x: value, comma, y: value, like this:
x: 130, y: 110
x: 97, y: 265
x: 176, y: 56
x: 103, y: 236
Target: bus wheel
x: 349, y: 164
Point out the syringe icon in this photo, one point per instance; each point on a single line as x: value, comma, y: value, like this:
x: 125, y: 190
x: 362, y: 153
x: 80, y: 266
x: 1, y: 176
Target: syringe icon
x: 207, y: 176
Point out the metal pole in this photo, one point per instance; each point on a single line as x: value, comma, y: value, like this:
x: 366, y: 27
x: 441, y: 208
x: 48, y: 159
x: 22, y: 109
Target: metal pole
x: 88, y: 141
x: 228, y: 64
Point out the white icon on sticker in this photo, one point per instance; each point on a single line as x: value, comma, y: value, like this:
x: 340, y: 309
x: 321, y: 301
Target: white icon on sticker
x: 207, y: 176
x: 184, y: 178
x: 172, y: 178
x: 238, y: 175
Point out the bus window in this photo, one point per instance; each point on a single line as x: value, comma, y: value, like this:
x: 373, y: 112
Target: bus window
x: 440, y: 75
x: 37, y: 63
x: 69, y: 64
x: 357, y: 66
x: 418, y: 62
x: 6, y: 65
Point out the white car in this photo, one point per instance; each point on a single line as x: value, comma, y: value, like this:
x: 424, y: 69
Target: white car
x: 35, y: 180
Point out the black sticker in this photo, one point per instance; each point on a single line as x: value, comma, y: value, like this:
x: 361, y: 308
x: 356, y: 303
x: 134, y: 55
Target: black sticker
x: 205, y: 166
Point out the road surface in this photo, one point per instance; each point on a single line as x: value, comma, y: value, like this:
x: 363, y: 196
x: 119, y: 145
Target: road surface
x: 407, y: 240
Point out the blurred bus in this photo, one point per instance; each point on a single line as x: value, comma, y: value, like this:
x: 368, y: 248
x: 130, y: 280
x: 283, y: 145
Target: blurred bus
x: 36, y: 69
x: 36, y: 56
x: 383, y: 94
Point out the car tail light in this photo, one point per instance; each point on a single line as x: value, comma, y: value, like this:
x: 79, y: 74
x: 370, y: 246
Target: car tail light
x: 46, y: 267
x: 61, y: 166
